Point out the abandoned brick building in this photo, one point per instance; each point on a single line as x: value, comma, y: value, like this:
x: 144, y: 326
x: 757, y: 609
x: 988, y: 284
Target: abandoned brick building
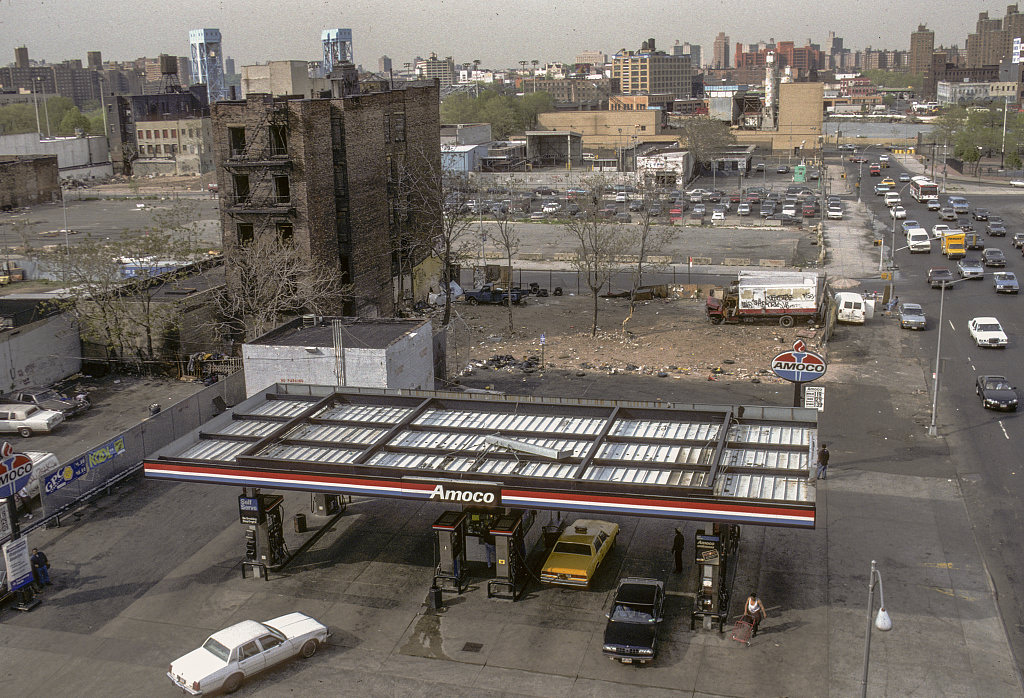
x: 327, y: 173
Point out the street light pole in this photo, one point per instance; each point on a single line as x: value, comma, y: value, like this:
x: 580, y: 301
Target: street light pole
x: 1002, y: 148
x: 932, y: 430
x: 883, y: 622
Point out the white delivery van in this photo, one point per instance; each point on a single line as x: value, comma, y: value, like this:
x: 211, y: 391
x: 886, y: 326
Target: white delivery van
x: 851, y: 308
x: 43, y: 465
x: 918, y: 240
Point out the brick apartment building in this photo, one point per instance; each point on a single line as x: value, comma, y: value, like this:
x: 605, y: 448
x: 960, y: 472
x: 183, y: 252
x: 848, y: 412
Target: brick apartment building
x: 325, y: 173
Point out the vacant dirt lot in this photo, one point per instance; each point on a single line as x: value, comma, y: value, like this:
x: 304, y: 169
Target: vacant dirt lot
x: 670, y: 338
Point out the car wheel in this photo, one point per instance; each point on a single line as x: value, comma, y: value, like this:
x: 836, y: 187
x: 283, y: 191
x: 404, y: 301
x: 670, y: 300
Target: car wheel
x: 786, y: 321
x: 233, y: 683
x: 309, y: 648
x: 471, y: 301
x: 25, y: 432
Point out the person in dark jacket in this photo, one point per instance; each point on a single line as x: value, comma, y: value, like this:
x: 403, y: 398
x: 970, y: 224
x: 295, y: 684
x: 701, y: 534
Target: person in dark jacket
x: 823, y: 455
x: 40, y: 567
x: 678, y: 543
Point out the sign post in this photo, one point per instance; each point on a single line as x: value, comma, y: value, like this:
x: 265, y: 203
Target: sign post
x: 799, y: 366
x: 15, y: 471
x: 543, y: 341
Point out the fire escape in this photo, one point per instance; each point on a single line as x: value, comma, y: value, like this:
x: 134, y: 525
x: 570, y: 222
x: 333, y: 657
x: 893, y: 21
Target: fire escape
x: 260, y: 167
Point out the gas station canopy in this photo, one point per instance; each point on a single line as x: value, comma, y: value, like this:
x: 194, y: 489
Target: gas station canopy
x: 711, y: 463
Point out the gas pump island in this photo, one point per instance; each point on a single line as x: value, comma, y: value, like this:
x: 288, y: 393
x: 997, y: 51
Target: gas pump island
x: 490, y: 462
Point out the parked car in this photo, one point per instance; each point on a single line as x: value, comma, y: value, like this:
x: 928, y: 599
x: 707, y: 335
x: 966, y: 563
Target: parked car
x: 655, y: 209
x: 996, y: 393
x: 538, y: 216
x: 1005, y: 282
x: 939, y: 277
x: 759, y: 167
x: 26, y: 420
x: 699, y: 210
x: 987, y: 332
x: 636, y: 205
x: 578, y: 552
x: 718, y: 214
x: 743, y: 209
x: 912, y: 316
x: 993, y: 257
x: 232, y: 655
x: 631, y: 634
x: 623, y: 217
x: 970, y: 268
x: 49, y: 399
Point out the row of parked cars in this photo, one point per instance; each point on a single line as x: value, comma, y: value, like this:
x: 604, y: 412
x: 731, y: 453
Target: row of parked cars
x: 38, y: 410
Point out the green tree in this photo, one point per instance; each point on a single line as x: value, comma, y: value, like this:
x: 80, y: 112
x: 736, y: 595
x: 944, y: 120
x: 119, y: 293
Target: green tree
x: 71, y: 120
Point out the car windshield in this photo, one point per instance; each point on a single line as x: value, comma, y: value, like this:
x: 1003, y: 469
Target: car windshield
x: 572, y: 548
x: 989, y: 327
x: 912, y: 310
x: 1007, y: 276
x: 631, y: 614
x: 47, y: 395
x: 997, y: 384
x: 217, y: 650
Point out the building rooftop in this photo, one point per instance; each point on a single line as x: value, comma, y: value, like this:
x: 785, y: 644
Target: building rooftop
x: 359, y: 333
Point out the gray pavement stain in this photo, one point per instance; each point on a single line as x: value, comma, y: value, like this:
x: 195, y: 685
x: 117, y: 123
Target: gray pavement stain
x: 425, y: 639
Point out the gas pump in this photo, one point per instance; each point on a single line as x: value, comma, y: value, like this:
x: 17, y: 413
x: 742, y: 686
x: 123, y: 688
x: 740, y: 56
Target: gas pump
x: 510, y: 548
x: 450, y: 531
x: 715, y: 558
x: 263, y: 516
x: 323, y: 504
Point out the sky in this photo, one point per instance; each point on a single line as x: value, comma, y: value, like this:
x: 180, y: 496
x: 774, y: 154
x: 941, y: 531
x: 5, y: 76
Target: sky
x: 499, y: 34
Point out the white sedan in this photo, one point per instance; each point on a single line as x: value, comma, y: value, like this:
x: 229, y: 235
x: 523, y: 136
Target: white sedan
x: 987, y: 332
x: 898, y: 212
x: 236, y: 653
x: 1017, y: 182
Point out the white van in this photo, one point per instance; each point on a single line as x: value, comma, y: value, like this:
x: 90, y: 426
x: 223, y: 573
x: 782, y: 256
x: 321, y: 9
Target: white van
x: 43, y: 465
x: 918, y: 240
x: 852, y: 308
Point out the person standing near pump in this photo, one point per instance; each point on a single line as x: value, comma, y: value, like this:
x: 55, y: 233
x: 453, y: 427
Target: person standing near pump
x: 678, y: 543
x: 823, y: 456
x: 40, y: 568
x: 754, y: 610
x: 489, y: 549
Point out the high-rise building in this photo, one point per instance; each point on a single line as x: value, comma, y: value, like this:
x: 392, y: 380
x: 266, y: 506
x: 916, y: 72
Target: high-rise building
x: 337, y: 47
x: 434, y: 67
x: 591, y: 58
x: 207, y: 62
x: 992, y: 40
x: 922, y: 45
x: 94, y: 59
x: 67, y: 79
x: 652, y: 72
x: 21, y: 57
x: 320, y: 172
x: 229, y: 66
x: 384, y: 65
x: 721, y: 51
x: 691, y: 50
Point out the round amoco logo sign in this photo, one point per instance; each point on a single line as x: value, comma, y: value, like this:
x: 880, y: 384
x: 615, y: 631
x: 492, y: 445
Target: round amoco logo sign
x: 15, y: 470
x: 799, y: 365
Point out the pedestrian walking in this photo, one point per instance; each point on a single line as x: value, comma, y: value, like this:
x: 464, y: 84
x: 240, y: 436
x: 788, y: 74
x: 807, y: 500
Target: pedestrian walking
x: 678, y: 543
x: 754, y: 610
x: 823, y: 456
x: 40, y: 567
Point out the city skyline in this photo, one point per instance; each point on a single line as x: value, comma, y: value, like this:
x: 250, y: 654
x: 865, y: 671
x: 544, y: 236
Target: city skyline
x: 57, y: 30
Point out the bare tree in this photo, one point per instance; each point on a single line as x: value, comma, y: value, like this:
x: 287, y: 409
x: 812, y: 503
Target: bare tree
x: 508, y: 241
x: 703, y: 137
x: 644, y: 238
x: 111, y: 289
x: 271, y: 279
x: 440, y: 197
x: 599, y: 242
x: 181, y: 220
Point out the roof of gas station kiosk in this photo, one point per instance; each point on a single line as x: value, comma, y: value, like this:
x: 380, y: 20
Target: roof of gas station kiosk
x: 736, y: 464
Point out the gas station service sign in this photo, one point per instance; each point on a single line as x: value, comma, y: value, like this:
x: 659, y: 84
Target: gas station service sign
x: 461, y: 491
x: 19, y: 565
x: 249, y: 511
x: 15, y: 470
x: 799, y: 365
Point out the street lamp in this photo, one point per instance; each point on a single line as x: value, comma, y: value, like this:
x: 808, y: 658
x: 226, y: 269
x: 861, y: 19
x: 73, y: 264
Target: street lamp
x: 932, y: 429
x: 882, y: 621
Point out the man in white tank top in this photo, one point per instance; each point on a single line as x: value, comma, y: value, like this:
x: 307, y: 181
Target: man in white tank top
x: 754, y: 609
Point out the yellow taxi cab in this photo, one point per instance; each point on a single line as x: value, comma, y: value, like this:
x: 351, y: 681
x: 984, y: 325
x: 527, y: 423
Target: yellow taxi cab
x: 889, y: 181
x: 574, y: 559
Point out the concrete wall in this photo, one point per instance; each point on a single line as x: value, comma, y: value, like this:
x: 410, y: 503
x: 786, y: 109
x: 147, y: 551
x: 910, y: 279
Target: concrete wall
x: 406, y: 363
x: 801, y: 112
x: 40, y: 353
x: 280, y: 78
x: 77, y: 158
x: 28, y: 180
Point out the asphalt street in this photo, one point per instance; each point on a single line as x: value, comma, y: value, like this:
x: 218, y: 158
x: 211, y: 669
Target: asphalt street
x: 985, y: 444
